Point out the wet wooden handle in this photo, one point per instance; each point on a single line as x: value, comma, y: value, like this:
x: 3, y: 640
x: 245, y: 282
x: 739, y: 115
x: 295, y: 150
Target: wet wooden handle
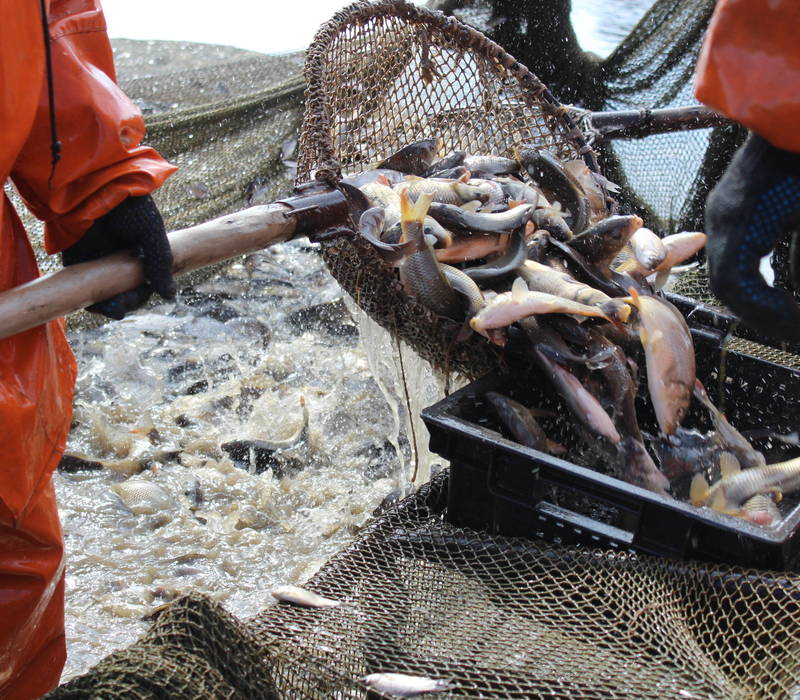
x: 78, y: 286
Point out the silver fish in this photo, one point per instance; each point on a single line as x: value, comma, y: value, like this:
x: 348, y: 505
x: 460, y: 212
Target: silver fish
x: 406, y: 686
x: 143, y: 497
x: 451, y: 216
x: 491, y: 165
x: 465, y: 286
x: 302, y: 597
x: 736, y: 487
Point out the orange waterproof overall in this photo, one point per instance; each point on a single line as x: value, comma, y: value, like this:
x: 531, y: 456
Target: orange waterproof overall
x: 101, y: 164
x: 749, y: 67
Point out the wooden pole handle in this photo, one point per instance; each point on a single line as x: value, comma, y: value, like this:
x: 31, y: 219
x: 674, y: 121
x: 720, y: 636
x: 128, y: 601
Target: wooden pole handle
x: 78, y: 286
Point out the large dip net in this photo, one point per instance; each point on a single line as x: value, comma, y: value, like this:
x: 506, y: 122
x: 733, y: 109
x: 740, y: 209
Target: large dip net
x: 498, y: 617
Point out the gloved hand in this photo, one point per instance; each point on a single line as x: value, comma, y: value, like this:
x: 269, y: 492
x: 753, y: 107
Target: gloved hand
x: 756, y: 200
x: 134, y: 223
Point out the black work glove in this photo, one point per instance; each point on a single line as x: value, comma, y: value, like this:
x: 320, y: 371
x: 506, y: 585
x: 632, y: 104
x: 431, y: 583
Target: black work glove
x: 134, y: 223
x: 755, y: 201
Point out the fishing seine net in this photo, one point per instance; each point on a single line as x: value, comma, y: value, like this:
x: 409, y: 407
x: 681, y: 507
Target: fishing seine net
x: 500, y: 617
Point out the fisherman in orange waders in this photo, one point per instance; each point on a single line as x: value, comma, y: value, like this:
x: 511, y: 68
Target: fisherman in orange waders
x: 749, y: 70
x: 94, y: 200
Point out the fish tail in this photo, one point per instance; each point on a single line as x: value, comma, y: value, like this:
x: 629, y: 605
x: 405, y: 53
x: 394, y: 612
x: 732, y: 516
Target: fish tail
x: 414, y: 211
x: 698, y: 491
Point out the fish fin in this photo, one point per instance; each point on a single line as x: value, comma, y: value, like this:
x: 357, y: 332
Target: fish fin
x: 414, y: 211
x: 634, y: 298
x: 728, y: 464
x: 406, y: 208
x: 519, y: 289
x: 411, y: 178
x: 471, y: 206
x: 614, y: 310
x: 383, y: 180
x: 515, y: 203
x: 422, y: 205
x: 464, y: 179
x: 661, y: 278
x: 720, y: 502
x: 698, y: 491
x: 642, y: 335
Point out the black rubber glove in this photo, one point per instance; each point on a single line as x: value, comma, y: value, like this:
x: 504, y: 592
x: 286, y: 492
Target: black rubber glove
x: 755, y: 201
x: 134, y: 223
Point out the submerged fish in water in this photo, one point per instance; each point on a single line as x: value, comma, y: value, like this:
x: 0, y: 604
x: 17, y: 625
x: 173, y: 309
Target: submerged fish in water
x: 302, y: 597
x: 730, y: 438
x: 669, y: 356
x: 640, y: 469
x: 582, y: 403
x: 257, y: 455
x: 143, y: 497
x: 521, y: 423
x: 414, y: 159
x: 761, y: 510
x: 405, y: 686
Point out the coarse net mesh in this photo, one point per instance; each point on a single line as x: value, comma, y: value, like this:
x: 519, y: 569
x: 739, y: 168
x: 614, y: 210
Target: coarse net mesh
x: 501, y: 617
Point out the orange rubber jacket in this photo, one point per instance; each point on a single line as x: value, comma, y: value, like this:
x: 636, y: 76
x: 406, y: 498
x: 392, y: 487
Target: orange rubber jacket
x: 102, y: 163
x: 749, y: 67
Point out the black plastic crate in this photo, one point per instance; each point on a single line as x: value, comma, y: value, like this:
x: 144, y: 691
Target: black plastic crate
x: 502, y: 487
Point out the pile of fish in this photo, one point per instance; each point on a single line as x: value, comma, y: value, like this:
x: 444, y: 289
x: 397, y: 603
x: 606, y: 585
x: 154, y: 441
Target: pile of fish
x: 530, y: 252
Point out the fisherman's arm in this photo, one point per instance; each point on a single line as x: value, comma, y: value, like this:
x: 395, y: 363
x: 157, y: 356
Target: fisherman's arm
x: 749, y: 69
x: 97, y: 198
